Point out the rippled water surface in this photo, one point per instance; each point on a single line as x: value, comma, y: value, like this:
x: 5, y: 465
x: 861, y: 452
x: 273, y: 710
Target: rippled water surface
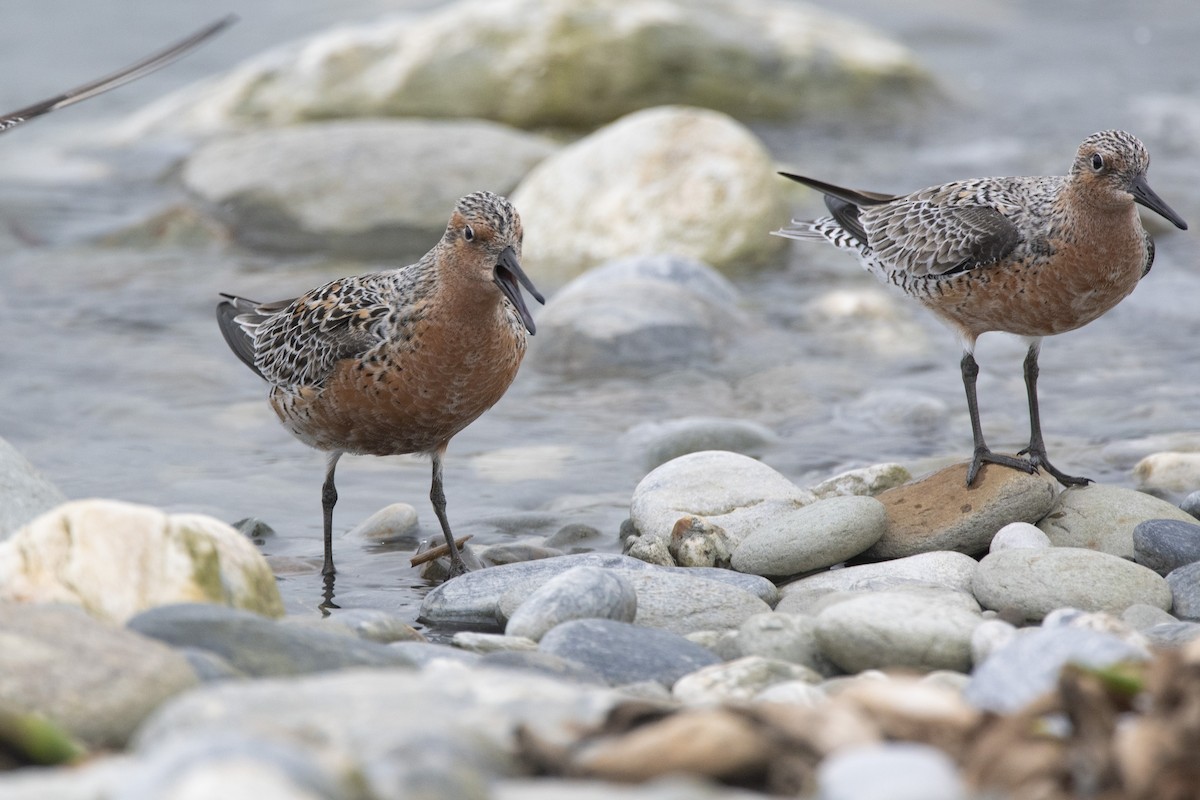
x: 116, y: 382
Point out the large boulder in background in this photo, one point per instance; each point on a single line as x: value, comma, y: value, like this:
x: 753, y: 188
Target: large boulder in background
x: 562, y: 63
x: 640, y: 315
x: 368, y: 188
x: 685, y: 181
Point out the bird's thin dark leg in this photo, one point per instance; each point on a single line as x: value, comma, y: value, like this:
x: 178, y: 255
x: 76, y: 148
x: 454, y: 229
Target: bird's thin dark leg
x: 328, y: 501
x: 438, y: 497
x: 1037, y: 446
x: 983, y: 455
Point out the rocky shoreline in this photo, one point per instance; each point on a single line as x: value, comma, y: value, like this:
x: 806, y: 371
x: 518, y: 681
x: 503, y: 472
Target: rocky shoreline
x: 599, y: 674
x: 871, y: 634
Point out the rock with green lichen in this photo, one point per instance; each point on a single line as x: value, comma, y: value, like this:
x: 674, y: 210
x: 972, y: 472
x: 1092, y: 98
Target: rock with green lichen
x: 565, y: 64
x: 116, y: 559
x: 29, y: 739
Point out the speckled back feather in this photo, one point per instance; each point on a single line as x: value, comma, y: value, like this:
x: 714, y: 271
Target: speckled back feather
x: 297, y: 343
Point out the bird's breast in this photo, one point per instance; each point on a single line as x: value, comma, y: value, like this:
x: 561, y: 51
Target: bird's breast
x: 409, y: 394
x: 1060, y: 280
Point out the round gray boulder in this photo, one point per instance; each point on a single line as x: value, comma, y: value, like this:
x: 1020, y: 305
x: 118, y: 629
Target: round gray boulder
x: 369, y: 189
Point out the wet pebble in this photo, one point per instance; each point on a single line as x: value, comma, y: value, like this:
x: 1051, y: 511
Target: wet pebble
x: 760, y: 587
x: 474, y: 599
x: 658, y: 442
x: 890, y: 771
x: 680, y: 602
x: 578, y: 593
x: 1168, y: 472
x: 786, y: 637
x: 423, y: 653
x: 236, y: 766
x: 947, y: 569
x: 1141, y: 616
x: 1185, y: 589
x: 890, y: 409
x: 863, y: 481
x: 940, y: 512
x: 484, y: 643
x: 1102, y: 518
x: 818, y: 535
x: 1191, y: 505
x: 1018, y: 673
x: 728, y: 490
x: 375, y: 625
x: 637, y: 315
x: 625, y: 653
x: 990, y: 636
x: 1172, y: 634
x: 796, y: 693
x: 516, y: 552
x: 393, y: 523
x: 922, y: 631
x: 95, y: 681
x: 258, y: 646
x: 543, y: 663
x: 1165, y: 544
x: 575, y: 537
x: 1018, y: 534
x: 1034, y: 582
x: 1094, y: 621
x: 456, y: 727
x: 739, y: 680
x: 676, y: 599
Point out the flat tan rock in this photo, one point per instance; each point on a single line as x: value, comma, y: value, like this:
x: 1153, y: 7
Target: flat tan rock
x: 940, y: 512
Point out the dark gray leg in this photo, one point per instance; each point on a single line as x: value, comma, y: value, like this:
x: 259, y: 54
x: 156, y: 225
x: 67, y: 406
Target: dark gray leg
x: 328, y: 501
x: 1037, y: 446
x: 970, y: 373
x: 438, y: 498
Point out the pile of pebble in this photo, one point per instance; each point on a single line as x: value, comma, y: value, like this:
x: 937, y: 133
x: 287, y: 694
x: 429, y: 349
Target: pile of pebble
x: 872, y: 621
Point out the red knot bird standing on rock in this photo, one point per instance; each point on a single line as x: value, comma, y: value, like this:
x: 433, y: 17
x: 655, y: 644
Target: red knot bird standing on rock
x: 1031, y: 256
x: 399, y: 361
x: 130, y: 73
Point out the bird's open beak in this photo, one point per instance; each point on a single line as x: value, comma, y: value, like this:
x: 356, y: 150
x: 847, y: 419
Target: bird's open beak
x: 1143, y: 194
x: 508, y: 272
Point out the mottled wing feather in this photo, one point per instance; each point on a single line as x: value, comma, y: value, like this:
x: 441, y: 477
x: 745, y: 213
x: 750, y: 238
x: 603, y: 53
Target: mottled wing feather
x: 301, y: 343
x: 939, y: 235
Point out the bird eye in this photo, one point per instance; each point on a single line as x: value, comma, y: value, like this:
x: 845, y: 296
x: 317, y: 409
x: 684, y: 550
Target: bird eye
x: 1097, y: 162
x: 468, y: 233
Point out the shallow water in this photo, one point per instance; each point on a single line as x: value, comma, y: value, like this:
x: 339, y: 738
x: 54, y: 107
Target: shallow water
x: 117, y: 383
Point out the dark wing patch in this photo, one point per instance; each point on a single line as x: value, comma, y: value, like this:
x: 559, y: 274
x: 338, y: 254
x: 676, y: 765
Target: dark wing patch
x: 857, y: 197
x: 929, y: 238
x: 238, y: 334
x: 846, y: 215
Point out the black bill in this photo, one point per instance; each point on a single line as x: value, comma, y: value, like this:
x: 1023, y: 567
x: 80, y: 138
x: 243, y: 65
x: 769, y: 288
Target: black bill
x: 507, y: 275
x: 1143, y: 194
